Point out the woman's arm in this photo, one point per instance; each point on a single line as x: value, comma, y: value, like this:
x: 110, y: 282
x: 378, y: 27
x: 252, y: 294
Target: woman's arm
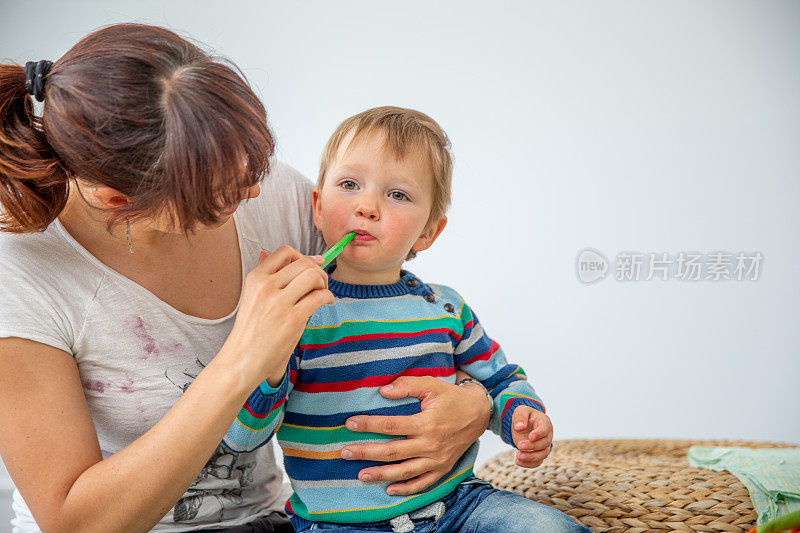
x: 50, y: 448
x: 452, y: 418
x: 49, y: 444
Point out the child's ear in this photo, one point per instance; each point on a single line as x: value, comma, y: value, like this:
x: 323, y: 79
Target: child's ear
x: 316, y: 205
x: 429, y: 234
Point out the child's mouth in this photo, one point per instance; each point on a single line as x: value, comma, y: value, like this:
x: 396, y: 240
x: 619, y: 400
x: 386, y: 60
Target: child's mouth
x: 363, y: 236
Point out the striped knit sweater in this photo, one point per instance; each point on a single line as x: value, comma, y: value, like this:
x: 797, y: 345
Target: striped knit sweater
x: 371, y: 335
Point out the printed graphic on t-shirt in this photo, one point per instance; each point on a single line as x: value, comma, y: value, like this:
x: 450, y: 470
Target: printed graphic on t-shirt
x: 220, y: 483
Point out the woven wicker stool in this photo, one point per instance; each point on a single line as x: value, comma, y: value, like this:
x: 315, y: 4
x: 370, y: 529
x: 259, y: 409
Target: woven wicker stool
x: 631, y: 485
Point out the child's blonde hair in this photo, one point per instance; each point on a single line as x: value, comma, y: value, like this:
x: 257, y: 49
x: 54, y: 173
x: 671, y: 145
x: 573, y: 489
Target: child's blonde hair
x: 405, y: 129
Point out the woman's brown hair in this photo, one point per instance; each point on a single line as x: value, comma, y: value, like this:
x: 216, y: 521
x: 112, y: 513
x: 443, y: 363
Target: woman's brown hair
x: 139, y: 109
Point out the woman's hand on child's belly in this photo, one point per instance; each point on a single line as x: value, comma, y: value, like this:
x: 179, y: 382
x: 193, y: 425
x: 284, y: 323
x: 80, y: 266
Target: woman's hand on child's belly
x: 452, y: 418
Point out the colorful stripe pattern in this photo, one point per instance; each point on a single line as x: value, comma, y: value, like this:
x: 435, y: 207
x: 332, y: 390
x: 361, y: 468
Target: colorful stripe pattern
x: 369, y: 337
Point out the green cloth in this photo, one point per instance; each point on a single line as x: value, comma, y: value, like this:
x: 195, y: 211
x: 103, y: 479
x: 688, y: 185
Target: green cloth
x: 772, y: 475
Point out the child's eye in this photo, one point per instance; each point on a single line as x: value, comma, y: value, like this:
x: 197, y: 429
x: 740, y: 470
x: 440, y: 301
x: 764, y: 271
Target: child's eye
x: 348, y: 185
x: 397, y: 195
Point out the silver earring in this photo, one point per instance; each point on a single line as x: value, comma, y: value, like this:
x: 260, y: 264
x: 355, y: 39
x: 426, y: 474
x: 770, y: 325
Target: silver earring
x: 128, y: 234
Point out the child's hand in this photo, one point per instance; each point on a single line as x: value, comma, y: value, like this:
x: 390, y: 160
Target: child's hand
x: 533, y: 435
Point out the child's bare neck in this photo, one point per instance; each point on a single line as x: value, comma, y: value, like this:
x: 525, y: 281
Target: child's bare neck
x: 346, y: 273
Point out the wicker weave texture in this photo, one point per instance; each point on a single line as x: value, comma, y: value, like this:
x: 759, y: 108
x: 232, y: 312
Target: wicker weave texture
x: 631, y: 486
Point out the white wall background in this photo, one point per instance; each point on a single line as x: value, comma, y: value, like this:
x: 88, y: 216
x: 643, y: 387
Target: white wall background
x: 622, y: 126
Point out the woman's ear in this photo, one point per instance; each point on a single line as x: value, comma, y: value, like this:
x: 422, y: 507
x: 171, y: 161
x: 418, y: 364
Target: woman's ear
x: 316, y: 205
x: 430, y: 234
x: 108, y: 197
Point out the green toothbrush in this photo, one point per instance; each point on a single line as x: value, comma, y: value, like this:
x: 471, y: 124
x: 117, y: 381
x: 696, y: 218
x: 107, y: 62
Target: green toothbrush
x: 337, y: 248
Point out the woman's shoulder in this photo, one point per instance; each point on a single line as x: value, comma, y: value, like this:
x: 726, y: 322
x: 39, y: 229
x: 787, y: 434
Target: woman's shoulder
x: 285, y: 185
x: 282, y: 213
x: 283, y: 173
x: 45, y: 287
x: 41, y: 256
x: 22, y: 253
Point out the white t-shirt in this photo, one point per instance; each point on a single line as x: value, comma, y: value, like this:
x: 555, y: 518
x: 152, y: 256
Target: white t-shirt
x: 136, y: 354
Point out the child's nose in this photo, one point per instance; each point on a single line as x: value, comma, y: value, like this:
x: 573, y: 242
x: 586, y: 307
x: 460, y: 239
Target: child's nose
x: 367, y: 210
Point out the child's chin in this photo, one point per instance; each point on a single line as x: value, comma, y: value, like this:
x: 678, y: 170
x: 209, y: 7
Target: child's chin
x: 364, y: 260
x: 361, y: 260
x: 357, y: 258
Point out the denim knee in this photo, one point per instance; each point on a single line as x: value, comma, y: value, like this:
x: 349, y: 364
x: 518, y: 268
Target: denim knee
x: 512, y: 513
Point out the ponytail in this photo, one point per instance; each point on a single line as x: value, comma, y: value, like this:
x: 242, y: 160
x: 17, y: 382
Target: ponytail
x: 141, y: 110
x: 33, y: 183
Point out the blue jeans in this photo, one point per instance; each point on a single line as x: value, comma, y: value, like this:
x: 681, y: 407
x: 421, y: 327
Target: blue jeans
x: 474, y: 507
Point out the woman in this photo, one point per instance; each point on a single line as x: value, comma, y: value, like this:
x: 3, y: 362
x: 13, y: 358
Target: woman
x: 137, y: 316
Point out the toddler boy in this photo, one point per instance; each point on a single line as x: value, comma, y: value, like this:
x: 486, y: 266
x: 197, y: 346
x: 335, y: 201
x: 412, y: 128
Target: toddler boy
x: 385, y: 174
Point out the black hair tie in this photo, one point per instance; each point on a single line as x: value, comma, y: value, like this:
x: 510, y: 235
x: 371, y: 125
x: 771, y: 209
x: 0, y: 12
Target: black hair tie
x: 34, y: 77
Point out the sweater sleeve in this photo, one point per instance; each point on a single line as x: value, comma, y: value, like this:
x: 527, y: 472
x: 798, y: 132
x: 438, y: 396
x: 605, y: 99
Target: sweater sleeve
x: 262, y: 413
x: 483, y: 359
